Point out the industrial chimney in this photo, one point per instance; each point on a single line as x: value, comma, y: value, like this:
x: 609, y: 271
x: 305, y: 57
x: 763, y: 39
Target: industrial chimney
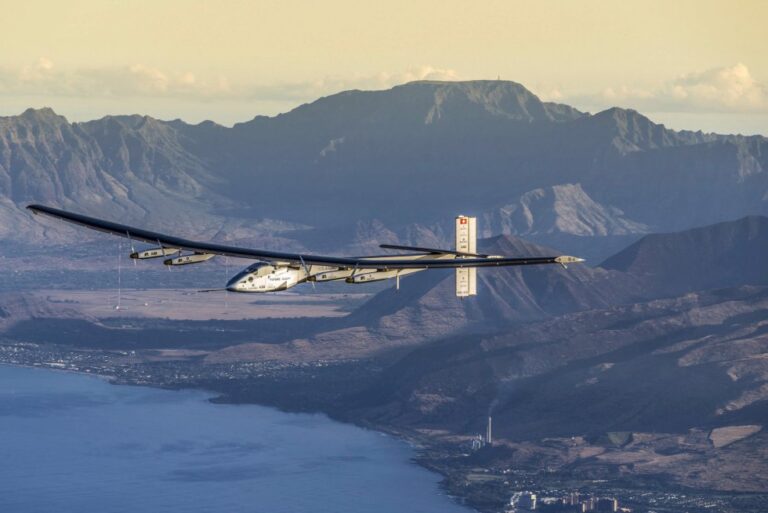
x: 489, y: 434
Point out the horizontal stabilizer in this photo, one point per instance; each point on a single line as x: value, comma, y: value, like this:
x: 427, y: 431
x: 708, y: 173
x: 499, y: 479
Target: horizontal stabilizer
x: 433, y: 251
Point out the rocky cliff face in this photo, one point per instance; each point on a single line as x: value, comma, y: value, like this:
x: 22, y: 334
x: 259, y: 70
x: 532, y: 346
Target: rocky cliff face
x: 123, y: 164
x: 560, y: 209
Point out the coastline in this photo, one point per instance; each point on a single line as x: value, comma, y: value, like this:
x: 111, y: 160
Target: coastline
x: 105, y: 377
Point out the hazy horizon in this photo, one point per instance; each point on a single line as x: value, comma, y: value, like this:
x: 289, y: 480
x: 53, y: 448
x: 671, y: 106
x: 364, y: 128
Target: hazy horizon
x: 691, y: 65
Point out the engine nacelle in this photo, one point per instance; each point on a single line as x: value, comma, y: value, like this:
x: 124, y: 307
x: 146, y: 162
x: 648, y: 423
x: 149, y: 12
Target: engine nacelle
x: 263, y: 277
x: 153, y: 253
x: 374, y: 276
x: 194, y: 258
x: 332, y: 275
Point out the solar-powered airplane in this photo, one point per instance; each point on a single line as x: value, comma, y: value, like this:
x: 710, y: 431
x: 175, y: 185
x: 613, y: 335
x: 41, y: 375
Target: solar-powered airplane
x: 275, y: 271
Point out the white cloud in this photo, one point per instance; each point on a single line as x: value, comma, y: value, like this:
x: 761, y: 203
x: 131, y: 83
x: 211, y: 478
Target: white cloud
x: 44, y: 78
x: 138, y: 80
x: 725, y: 89
x: 731, y: 88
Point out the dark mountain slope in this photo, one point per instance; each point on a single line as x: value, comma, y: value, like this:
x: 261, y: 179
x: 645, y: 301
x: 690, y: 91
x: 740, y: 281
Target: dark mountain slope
x: 645, y: 367
x: 723, y: 255
x: 659, y: 365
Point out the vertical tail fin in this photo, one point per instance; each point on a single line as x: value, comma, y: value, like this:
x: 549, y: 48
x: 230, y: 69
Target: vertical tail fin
x: 466, y: 241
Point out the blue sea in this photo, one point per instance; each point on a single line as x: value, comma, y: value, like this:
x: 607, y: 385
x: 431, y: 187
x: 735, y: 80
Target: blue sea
x: 75, y: 443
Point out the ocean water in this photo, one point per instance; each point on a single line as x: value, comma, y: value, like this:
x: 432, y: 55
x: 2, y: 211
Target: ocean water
x: 74, y: 443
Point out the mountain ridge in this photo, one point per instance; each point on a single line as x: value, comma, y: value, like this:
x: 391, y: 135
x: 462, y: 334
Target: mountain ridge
x: 410, y: 156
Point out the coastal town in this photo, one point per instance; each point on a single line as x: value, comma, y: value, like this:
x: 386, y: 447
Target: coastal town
x: 574, y: 502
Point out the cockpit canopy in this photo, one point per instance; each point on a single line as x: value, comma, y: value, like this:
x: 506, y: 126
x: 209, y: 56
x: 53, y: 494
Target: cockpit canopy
x: 260, y: 269
x: 249, y: 274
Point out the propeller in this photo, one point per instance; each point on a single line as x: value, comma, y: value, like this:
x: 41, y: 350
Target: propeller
x: 133, y: 249
x: 306, y: 270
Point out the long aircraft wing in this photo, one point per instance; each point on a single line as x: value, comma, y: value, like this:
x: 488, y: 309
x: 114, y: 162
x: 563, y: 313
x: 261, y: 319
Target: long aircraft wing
x: 169, y: 241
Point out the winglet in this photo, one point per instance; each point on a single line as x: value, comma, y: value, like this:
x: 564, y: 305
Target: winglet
x: 565, y: 259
